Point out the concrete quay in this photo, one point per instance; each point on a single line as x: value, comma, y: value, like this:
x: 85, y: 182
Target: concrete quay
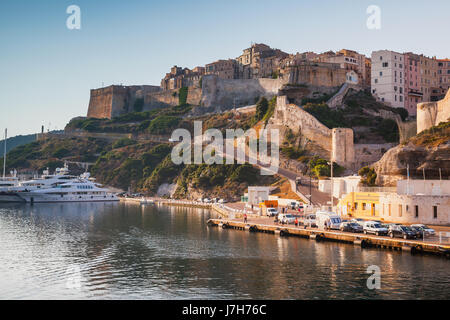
x: 364, y: 241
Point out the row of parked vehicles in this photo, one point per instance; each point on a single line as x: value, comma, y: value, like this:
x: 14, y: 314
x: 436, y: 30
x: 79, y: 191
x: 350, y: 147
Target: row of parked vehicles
x: 332, y: 221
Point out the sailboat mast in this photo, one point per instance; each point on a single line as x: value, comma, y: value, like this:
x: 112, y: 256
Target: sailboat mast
x: 4, y: 154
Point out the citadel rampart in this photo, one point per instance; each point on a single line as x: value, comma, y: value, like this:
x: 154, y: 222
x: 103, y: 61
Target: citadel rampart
x: 430, y: 114
x: 112, y: 101
x: 216, y: 93
x: 338, y: 142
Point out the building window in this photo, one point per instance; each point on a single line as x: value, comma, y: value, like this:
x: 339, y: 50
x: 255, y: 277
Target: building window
x: 389, y: 209
x: 407, y: 208
x: 356, y: 205
x: 385, y: 64
x: 364, y: 206
x: 400, y: 210
x: 435, y: 212
x: 416, y: 209
x: 381, y: 74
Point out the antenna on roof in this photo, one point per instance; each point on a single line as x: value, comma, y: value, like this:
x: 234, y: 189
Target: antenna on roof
x: 4, y: 154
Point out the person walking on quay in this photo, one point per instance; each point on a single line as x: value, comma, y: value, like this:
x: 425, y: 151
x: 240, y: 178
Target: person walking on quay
x: 296, y: 222
x: 245, y: 218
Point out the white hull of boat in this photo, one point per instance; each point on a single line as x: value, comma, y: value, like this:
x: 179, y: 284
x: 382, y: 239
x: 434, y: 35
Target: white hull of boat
x: 46, y: 198
x: 10, y: 197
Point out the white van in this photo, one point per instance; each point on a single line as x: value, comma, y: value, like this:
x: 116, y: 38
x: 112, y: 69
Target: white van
x: 328, y: 219
x: 310, y: 221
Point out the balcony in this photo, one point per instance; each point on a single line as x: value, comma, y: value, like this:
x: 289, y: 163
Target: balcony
x: 415, y: 93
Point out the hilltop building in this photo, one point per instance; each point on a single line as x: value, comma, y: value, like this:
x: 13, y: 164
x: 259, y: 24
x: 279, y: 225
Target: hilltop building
x: 179, y: 77
x: 224, y: 69
x: 388, y: 81
x: 259, y: 61
x: 444, y: 74
x: 348, y: 60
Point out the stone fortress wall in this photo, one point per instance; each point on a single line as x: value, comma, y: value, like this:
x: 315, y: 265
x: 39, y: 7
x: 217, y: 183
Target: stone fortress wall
x: 430, y: 114
x: 338, y: 142
x: 225, y: 94
x: 217, y: 93
x: 113, y: 101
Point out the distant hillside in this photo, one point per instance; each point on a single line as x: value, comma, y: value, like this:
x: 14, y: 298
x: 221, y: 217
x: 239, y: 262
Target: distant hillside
x: 16, y: 141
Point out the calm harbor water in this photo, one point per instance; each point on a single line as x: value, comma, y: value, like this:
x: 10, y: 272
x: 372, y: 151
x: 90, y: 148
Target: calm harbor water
x: 125, y: 251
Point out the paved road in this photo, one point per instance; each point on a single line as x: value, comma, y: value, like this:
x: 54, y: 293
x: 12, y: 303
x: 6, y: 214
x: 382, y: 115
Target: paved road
x: 318, y: 197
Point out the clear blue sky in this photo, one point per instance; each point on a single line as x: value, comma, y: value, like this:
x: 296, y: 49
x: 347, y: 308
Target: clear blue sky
x: 46, y: 70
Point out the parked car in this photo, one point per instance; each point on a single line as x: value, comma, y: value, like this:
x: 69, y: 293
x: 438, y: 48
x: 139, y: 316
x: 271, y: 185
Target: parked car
x: 372, y: 227
x: 310, y: 220
x: 358, y: 221
x: 286, y: 218
x: 206, y: 200
x: 421, y: 228
x: 293, y: 205
x: 349, y: 226
x: 271, y: 212
x: 399, y: 231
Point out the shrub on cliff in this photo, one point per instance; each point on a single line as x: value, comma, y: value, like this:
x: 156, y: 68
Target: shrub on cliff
x: 270, y: 109
x: 261, y: 108
x: 329, y: 117
x: 321, y: 168
x: 163, y: 124
x: 61, y: 153
x: 123, y: 143
x: 388, y: 129
x: 182, y: 96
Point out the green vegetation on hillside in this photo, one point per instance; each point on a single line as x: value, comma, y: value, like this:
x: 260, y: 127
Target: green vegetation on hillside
x: 158, y: 121
x: 52, y: 152
x: 129, y: 166
x: 291, y: 147
x: 433, y: 136
x: 332, y: 118
x: 182, y: 96
x: 16, y: 141
x: 356, y: 114
x: 321, y: 167
x: 319, y: 100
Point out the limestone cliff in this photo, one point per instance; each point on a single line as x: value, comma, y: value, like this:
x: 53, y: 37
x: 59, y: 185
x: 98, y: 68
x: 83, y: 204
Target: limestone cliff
x: 432, y: 113
x: 428, y: 151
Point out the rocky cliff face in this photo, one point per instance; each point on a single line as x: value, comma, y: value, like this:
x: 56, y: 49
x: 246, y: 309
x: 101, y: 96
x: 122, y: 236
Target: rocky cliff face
x: 431, y: 158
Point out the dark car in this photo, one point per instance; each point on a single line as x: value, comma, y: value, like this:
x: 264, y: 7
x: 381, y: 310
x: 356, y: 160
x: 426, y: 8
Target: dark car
x: 349, y: 226
x: 397, y: 231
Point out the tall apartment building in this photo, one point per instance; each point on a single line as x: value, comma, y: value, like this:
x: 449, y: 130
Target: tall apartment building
x: 413, y: 91
x: 429, y: 78
x: 388, y: 81
x: 444, y: 74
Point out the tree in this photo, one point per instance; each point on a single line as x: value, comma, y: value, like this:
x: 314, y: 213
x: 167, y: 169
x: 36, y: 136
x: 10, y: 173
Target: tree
x: 368, y: 176
x: 261, y: 108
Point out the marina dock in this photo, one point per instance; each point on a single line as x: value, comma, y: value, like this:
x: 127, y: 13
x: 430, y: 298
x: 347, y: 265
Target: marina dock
x: 358, y: 239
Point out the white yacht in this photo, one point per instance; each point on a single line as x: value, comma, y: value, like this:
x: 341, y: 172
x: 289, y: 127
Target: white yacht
x: 78, y: 190
x: 9, y: 191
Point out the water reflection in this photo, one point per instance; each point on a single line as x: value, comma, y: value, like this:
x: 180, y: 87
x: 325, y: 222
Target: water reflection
x: 127, y: 251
